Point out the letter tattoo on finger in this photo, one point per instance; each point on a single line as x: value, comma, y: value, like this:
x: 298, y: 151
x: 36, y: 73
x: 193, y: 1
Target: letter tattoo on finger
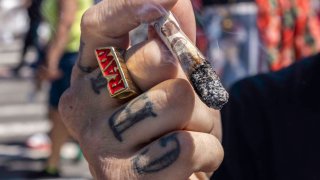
x: 127, y: 116
x: 98, y: 83
x: 169, y: 153
x: 83, y: 68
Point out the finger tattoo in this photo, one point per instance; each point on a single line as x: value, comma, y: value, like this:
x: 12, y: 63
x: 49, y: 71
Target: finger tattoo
x: 127, y: 116
x: 98, y: 83
x: 170, y: 148
x: 83, y: 68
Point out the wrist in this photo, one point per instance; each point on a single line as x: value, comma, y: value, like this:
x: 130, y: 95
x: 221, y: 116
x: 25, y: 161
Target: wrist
x: 52, y: 63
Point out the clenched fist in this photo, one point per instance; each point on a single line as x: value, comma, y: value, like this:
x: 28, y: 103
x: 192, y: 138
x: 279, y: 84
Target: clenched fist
x: 164, y: 133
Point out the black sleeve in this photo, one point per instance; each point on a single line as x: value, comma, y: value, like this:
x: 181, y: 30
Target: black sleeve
x: 271, y: 126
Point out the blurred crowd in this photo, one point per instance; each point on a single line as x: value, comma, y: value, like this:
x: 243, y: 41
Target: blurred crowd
x: 248, y: 37
x: 241, y: 38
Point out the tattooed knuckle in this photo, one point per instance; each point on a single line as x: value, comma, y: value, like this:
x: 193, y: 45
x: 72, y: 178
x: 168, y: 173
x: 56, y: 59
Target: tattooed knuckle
x: 151, y: 161
x: 137, y: 110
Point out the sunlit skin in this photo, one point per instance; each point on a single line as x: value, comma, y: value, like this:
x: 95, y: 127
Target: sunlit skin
x: 166, y: 131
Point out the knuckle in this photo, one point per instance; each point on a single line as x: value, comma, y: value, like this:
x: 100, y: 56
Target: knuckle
x: 216, y: 126
x: 180, y: 93
x: 113, y: 168
x: 89, y: 22
x: 217, y: 153
x: 65, y: 105
x: 211, y: 157
x: 70, y: 110
x: 187, y: 146
x: 161, y: 54
x: 150, y: 58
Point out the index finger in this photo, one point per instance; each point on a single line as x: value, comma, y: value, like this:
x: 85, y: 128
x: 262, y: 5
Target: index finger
x: 108, y: 24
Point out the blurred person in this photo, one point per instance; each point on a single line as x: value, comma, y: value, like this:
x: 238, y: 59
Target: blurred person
x: 202, y: 40
x: 31, y: 38
x: 289, y: 30
x: 64, y: 18
x: 230, y: 26
x: 13, y: 20
x: 96, y: 1
x: 316, y: 6
x: 318, y: 9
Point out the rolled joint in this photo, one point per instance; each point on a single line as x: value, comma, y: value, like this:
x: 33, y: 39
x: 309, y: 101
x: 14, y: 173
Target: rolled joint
x: 203, y: 78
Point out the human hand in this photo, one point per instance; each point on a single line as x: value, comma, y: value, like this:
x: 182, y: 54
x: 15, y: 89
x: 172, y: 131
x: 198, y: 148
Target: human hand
x: 165, y: 133
x: 52, y: 74
x: 48, y: 73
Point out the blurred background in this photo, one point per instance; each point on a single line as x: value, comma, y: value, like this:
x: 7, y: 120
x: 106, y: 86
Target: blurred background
x: 24, y: 124
x: 240, y: 38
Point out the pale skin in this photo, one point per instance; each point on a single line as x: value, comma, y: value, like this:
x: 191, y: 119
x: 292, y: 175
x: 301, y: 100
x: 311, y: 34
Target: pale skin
x: 167, y: 132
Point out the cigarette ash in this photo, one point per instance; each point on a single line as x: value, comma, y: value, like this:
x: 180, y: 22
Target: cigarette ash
x: 208, y: 86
